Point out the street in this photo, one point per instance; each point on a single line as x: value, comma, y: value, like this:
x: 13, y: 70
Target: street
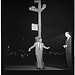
x: 51, y: 63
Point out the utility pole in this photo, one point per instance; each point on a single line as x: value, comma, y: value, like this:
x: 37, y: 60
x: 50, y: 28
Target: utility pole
x: 39, y: 18
x: 38, y: 10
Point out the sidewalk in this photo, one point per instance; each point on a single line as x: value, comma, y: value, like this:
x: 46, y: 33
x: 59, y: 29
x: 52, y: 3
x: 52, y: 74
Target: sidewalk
x: 57, y: 62
x: 27, y: 67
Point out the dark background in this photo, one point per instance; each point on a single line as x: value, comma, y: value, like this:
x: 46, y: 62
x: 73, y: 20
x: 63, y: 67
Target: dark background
x: 17, y: 18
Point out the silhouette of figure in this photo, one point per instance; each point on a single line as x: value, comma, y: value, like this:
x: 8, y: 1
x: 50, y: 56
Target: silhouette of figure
x: 68, y: 50
x: 39, y: 52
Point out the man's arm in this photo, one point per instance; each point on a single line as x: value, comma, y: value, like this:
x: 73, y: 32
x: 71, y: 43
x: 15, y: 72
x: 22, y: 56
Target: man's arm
x: 31, y: 47
x: 45, y: 47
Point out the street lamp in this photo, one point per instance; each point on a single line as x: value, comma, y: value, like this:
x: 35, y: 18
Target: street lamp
x: 39, y: 10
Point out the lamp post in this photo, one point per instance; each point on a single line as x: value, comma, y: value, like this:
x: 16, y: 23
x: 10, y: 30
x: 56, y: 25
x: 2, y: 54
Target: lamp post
x: 38, y: 10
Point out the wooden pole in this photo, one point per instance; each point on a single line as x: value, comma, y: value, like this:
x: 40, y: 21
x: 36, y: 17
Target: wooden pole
x: 39, y: 10
x: 39, y: 18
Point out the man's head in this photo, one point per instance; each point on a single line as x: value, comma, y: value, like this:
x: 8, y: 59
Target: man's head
x: 37, y: 39
x: 40, y: 39
x: 67, y: 34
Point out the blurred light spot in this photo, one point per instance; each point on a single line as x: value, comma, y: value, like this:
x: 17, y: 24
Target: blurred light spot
x: 22, y: 55
x: 27, y: 41
x: 8, y: 46
x: 27, y: 54
x: 59, y: 53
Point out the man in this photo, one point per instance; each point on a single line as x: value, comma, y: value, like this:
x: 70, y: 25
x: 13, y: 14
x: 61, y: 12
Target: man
x: 39, y: 52
x: 68, y: 50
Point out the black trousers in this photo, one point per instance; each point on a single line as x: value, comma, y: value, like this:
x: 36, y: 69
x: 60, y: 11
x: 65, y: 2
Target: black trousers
x: 68, y: 57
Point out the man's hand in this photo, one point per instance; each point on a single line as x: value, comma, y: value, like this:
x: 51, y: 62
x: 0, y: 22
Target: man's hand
x: 64, y: 46
x: 48, y: 47
x: 29, y: 50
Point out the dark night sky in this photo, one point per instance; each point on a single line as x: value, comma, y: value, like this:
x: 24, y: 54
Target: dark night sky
x: 16, y: 19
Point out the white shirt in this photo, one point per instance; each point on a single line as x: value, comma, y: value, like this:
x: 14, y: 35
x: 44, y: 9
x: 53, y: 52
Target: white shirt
x: 40, y: 45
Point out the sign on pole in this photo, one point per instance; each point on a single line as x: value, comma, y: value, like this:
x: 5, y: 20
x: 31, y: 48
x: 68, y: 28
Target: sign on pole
x: 43, y: 6
x: 32, y: 8
x: 37, y: 27
x: 34, y: 27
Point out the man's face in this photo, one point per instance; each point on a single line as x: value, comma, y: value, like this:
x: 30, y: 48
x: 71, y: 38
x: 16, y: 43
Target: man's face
x: 40, y: 40
x: 67, y: 34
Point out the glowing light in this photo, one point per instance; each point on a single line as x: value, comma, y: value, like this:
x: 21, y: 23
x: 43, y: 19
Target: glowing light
x: 27, y: 54
x: 50, y: 52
